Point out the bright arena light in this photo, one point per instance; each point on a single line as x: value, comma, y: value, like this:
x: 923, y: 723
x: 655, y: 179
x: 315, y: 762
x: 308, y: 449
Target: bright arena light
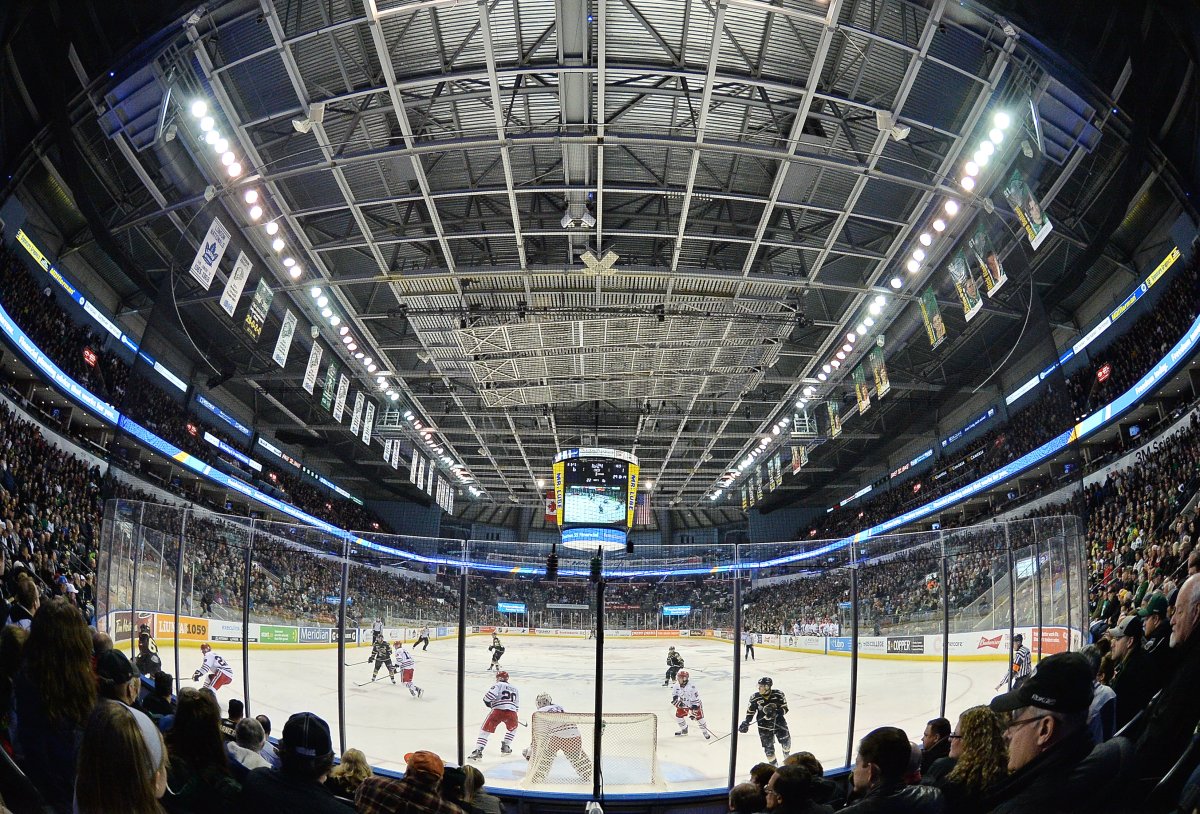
x: 925, y: 238
x: 255, y: 212
x: 326, y: 312
x: 228, y: 157
x: 971, y: 168
x: 968, y: 183
x: 277, y: 244
x: 358, y: 355
x: 251, y: 196
x: 345, y: 329
x: 199, y: 108
x: 272, y: 228
x: 322, y: 302
x: 987, y: 148
x: 913, y: 266
x: 951, y: 207
x: 826, y: 368
x: 315, y: 291
x: 918, y: 255
x: 235, y: 169
x: 881, y: 299
x: 980, y: 158
x: 295, y: 272
x: 836, y: 364
x: 875, y: 309
x: 1001, y: 120
x: 221, y: 144
x: 207, y: 123
x: 851, y: 337
x: 896, y: 283
x: 347, y: 340
x: 841, y: 355
x: 939, y: 225
x: 996, y: 135
x: 335, y: 320
x: 862, y: 329
x: 822, y: 376
x: 289, y: 262
x: 868, y: 322
x: 371, y: 368
x: 212, y: 137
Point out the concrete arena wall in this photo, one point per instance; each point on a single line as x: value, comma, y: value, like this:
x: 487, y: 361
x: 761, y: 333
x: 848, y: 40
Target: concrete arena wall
x: 989, y: 645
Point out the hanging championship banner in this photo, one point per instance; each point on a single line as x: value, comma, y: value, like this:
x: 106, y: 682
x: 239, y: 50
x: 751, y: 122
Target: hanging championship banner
x: 879, y: 371
x: 835, y: 418
x: 260, y: 307
x: 339, y: 406
x: 988, y: 261
x: 413, y: 466
x: 236, y: 283
x: 769, y: 478
x: 284, y: 343
x: 396, y: 455
x: 964, y: 284
x: 368, y: 423
x: 387, y: 450
x: 758, y: 492
x: 861, y: 392
x: 934, y: 326
x: 356, y: 416
x: 745, y: 498
x: 208, y: 256
x: 799, y: 459
x: 1027, y: 209
x: 429, y: 475
x: 779, y: 469
x: 330, y: 383
x: 310, y: 372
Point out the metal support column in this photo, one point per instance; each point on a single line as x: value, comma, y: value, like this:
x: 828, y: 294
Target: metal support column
x: 246, y: 621
x: 1037, y: 587
x: 853, y: 664
x: 462, y: 658
x: 1012, y: 601
x: 179, y: 594
x: 341, y: 647
x: 945, y: 630
x: 597, y: 749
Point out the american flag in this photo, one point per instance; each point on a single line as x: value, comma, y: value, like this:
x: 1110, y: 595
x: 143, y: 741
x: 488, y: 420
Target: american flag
x: 642, y: 515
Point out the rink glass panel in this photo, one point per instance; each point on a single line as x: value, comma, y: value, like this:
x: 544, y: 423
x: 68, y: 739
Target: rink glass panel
x: 961, y: 588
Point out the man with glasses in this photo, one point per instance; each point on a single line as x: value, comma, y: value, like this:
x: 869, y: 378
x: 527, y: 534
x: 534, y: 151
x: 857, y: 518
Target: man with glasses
x: 1047, y: 735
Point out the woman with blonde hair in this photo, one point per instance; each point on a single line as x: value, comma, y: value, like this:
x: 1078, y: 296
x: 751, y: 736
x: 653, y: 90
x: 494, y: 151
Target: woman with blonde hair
x: 980, y: 761
x: 122, y: 763
x: 345, y: 778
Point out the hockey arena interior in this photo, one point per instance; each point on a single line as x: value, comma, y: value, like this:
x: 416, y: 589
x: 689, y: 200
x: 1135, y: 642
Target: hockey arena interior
x: 599, y: 405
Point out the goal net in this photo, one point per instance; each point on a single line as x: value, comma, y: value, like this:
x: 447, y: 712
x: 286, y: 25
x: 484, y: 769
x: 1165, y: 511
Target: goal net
x: 560, y: 752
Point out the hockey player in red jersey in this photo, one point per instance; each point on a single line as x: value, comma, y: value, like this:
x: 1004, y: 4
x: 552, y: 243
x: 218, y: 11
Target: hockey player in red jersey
x: 215, y: 671
x: 503, y: 700
x: 686, y: 699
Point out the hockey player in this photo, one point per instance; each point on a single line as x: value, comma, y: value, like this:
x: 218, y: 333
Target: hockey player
x: 381, y: 655
x: 686, y: 700
x: 769, y: 706
x: 423, y: 637
x: 148, y: 662
x: 376, y: 629
x: 407, y: 664
x: 674, y: 665
x: 215, y: 670
x: 560, y: 737
x: 503, y: 700
x: 497, y: 650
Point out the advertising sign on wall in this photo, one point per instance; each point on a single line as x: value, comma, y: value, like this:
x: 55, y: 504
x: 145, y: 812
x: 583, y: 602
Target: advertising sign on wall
x: 278, y: 634
x: 314, y: 635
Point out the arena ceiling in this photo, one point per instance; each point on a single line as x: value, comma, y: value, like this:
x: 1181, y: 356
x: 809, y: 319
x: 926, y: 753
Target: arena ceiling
x: 458, y: 175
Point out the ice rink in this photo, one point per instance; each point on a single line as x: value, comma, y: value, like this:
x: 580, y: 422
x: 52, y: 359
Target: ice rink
x: 386, y: 722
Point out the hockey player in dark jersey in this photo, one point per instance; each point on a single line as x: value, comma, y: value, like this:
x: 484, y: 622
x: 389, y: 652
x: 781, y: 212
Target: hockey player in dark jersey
x: 381, y: 655
x: 674, y: 665
x: 769, y: 706
x: 497, y: 650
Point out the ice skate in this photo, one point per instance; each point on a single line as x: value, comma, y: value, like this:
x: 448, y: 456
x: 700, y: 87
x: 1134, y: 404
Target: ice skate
x: 681, y: 732
x: 476, y: 755
x: 505, y: 749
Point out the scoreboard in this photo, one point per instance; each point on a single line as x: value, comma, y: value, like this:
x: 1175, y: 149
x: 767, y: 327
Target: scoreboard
x: 595, y: 488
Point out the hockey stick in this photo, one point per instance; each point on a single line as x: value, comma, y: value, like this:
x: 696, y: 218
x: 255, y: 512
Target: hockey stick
x: 365, y: 683
x: 356, y: 663
x: 720, y: 738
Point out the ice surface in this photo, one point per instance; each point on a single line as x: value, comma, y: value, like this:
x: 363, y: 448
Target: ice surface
x: 385, y: 721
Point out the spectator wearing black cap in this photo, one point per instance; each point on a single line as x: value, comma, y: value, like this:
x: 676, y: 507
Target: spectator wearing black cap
x: 415, y: 793
x: 877, y: 781
x: 117, y: 680
x: 1134, y: 681
x: 1156, y: 639
x: 305, y: 758
x: 1047, y: 736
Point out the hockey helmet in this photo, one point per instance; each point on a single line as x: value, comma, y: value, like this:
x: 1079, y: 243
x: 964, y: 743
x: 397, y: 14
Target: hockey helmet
x: 544, y: 699
x: 682, y: 677
x: 143, y: 628
x: 671, y: 649
x: 376, y: 635
x: 397, y: 644
x: 502, y: 675
x: 205, y: 648
x: 766, y: 680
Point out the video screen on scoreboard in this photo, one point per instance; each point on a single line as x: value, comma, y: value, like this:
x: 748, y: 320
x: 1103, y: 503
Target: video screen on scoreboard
x: 595, y: 492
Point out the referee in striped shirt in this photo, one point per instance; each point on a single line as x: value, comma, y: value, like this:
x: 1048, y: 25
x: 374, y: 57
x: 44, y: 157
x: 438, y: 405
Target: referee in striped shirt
x: 1022, y: 664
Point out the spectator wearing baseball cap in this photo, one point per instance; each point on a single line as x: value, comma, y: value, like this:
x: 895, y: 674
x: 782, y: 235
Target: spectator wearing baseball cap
x: 117, y: 680
x: 1047, y: 736
x: 1156, y: 641
x: 1134, y: 682
x: 416, y: 792
x: 296, y: 787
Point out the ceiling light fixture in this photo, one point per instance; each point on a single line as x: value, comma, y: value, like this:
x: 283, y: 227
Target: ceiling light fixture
x: 925, y: 238
x: 235, y: 169
x: 315, y: 291
x: 322, y: 301
x: 255, y: 212
x: 221, y: 144
x: 272, y: 227
x: 207, y: 123
x: 951, y: 207
x: 294, y: 272
x: 277, y: 244
x: 212, y: 137
x: 345, y: 329
x: 822, y: 376
x: 967, y: 183
x: 199, y: 108
x: 228, y: 157
x: 335, y: 320
x: 913, y: 266
x: 897, y: 283
x: 939, y: 225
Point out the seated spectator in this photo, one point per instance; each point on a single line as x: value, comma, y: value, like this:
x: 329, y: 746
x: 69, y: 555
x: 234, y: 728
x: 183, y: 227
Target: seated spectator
x: 453, y: 787
x: 877, y: 781
x: 977, y: 762
x: 792, y: 790
x: 158, y: 702
x: 912, y: 773
x: 747, y: 798
x: 122, y: 763
x: 101, y: 643
x: 1047, y: 736
x: 348, y: 775
x: 243, y: 750
x: 296, y: 787
x: 116, y: 678
x: 479, y: 800
x: 12, y: 643
x: 1102, y: 714
x: 416, y: 791
x: 26, y: 602
x: 236, y: 710
x: 935, y: 742
x: 827, y: 790
x: 1156, y: 635
x: 1135, y: 682
x: 268, y: 751
x: 760, y: 774
x: 199, y: 776
x: 54, y: 693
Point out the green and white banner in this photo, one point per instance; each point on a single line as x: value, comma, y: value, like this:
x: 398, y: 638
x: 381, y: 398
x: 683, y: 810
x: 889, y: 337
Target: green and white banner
x: 964, y: 284
x: 835, y: 418
x: 987, y: 260
x: 935, y: 327
x: 879, y: 371
x: 861, y: 391
x: 1027, y: 209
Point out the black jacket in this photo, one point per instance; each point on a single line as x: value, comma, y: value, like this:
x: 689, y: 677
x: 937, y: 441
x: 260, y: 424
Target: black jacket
x: 1172, y: 717
x: 938, y: 750
x: 898, y: 799
x: 1048, y: 784
x: 1135, y: 684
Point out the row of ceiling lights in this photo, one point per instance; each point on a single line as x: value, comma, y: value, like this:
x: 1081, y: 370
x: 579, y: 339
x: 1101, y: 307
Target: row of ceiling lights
x: 254, y: 202
x: 436, y: 447
x: 971, y: 169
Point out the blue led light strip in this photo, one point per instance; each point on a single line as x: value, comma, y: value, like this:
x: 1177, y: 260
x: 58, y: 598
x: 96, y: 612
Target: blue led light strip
x: 1182, y: 350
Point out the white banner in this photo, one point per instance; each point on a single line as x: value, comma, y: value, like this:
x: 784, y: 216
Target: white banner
x: 368, y: 423
x: 396, y: 455
x: 284, y: 343
x: 356, y: 416
x: 343, y: 390
x: 387, y: 449
x: 310, y: 372
x: 429, y: 478
x: 420, y: 471
x: 235, y: 283
x: 209, y: 255
x: 413, y: 466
